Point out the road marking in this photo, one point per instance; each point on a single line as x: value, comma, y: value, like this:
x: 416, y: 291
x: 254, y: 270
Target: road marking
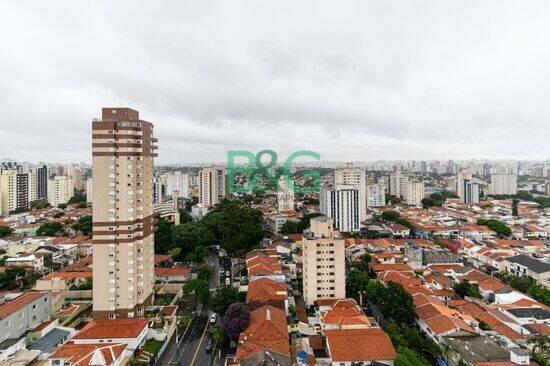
x: 200, y: 342
x: 181, y: 339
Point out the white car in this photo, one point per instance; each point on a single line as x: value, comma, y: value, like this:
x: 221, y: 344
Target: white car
x: 213, y: 318
x: 227, y: 281
x: 227, y: 273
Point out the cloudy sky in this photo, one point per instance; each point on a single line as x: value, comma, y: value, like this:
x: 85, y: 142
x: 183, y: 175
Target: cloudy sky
x: 363, y: 80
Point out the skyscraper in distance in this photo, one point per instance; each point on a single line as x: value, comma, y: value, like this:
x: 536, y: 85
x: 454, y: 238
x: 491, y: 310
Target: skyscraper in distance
x: 123, y: 149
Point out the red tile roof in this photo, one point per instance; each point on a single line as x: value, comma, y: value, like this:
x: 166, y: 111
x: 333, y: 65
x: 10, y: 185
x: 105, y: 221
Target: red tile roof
x: 112, y: 328
x: 172, y: 272
x: 345, y: 312
x: 81, y: 354
x: 12, y: 306
x: 265, y: 289
x: 359, y: 345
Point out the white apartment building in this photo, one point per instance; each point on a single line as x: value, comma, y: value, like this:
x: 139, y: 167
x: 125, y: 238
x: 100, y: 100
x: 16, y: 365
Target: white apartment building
x: 177, y: 181
x: 324, y: 273
x: 399, y: 184
x: 351, y: 176
x: 504, y: 183
x: 461, y: 177
x: 342, y: 205
x: 16, y: 190
x: 212, y: 186
x: 123, y: 149
x: 285, y: 195
x: 415, y: 193
x: 60, y: 190
x: 376, y: 195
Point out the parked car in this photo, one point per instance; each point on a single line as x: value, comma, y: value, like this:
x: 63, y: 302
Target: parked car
x: 227, y: 273
x: 227, y: 281
x: 208, y: 347
x: 213, y: 318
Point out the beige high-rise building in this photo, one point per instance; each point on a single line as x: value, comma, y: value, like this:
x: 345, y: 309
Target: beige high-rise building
x: 415, y: 193
x: 351, y: 176
x: 76, y: 175
x: 285, y: 195
x: 60, y: 190
x: 504, y: 183
x: 463, y: 175
x: 123, y: 150
x: 16, y: 190
x: 212, y: 186
x: 324, y: 273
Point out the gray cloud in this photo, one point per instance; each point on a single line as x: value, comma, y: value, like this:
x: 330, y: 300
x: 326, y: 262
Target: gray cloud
x: 357, y: 80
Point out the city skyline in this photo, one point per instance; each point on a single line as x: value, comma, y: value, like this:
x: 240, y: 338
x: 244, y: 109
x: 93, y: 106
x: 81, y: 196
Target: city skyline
x: 379, y: 81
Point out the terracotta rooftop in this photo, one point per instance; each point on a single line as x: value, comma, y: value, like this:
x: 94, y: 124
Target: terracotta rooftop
x: 265, y: 289
x: 345, y: 312
x: 82, y: 354
x: 112, y: 328
x: 359, y: 345
x: 172, y: 272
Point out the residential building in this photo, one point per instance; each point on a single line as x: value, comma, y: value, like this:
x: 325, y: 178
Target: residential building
x: 177, y: 181
x: 16, y: 190
x: 470, y: 191
x: 42, y: 182
x: 285, y: 195
x: 60, y: 190
x: 354, y: 177
x: 78, y: 181
x: 504, y: 183
x: 22, y: 312
x: 212, y: 186
x: 376, y: 195
x: 363, y: 346
x: 123, y: 248
x: 399, y: 184
x: 323, y: 261
x: 343, y: 205
x: 524, y: 265
x: 415, y: 193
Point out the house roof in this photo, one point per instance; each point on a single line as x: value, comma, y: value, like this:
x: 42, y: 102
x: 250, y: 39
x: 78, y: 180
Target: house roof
x: 82, y: 354
x: 265, y: 289
x: 172, y: 272
x: 531, y: 263
x: 359, y: 345
x: 112, y: 328
x: 345, y: 312
x: 267, y: 330
x: 12, y: 306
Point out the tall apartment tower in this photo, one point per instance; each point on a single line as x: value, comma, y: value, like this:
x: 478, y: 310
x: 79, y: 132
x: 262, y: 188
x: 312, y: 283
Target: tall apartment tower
x: 285, y: 196
x: 415, y: 193
x: 470, y: 192
x: 504, y: 183
x: 123, y: 149
x: 376, y: 195
x: 398, y: 184
x: 342, y: 204
x: 463, y: 175
x: 324, y: 272
x: 42, y: 182
x: 61, y: 190
x: 354, y: 177
x: 212, y: 186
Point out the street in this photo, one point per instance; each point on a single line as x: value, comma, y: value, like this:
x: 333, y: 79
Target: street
x: 191, y: 348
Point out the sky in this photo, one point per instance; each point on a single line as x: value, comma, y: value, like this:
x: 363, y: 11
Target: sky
x: 351, y: 80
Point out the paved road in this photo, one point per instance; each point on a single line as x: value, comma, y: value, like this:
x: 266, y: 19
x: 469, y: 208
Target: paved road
x: 185, y: 351
x: 213, y: 262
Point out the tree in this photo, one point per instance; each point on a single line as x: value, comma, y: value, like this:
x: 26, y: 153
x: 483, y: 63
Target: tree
x: 520, y: 283
x: 290, y: 227
x: 5, y: 230
x: 540, y: 293
x: 225, y: 296
x: 428, y: 202
x: 200, y: 288
x: 390, y: 215
x: 163, y: 236
x: 79, y: 197
x: 541, y: 347
x: 498, y: 226
x: 397, y: 304
x: 205, y: 272
x: 198, y: 254
x: 84, y: 225
x: 515, y: 207
x: 356, y: 282
x: 465, y: 288
x: 62, y: 206
x: 185, y: 217
x: 190, y: 235
x: 49, y: 229
x: 408, y: 357
x: 39, y: 204
x: 236, y: 227
x: 235, y: 320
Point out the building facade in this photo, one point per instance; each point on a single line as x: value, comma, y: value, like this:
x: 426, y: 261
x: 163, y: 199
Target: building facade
x: 342, y: 204
x: 351, y: 176
x: 212, y: 186
x: 324, y: 273
x: 376, y: 195
x: 61, y: 189
x: 285, y: 196
x: 42, y: 182
x: 123, y: 223
x: 415, y: 193
x: 504, y: 183
x: 398, y: 184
